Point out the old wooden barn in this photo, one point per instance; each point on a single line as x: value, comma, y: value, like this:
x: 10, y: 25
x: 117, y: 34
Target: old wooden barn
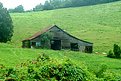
x: 55, y: 38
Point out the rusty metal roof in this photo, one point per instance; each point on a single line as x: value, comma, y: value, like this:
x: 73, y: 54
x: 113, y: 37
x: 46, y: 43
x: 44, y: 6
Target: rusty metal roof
x: 48, y: 28
x: 39, y: 33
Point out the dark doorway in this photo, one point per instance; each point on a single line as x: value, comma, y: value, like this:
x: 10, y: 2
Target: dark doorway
x: 56, y: 44
x: 26, y: 44
x: 88, y: 49
x: 74, y: 47
x: 33, y: 43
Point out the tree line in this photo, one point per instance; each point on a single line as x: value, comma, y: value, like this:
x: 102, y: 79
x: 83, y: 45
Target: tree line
x: 18, y: 9
x: 56, y: 4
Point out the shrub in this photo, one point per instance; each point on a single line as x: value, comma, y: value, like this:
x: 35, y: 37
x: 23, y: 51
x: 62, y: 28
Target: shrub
x: 101, y: 69
x: 111, y: 76
x: 110, y: 54
x: 116, y: 51
x: 44, y: 68
x: 103, y: 74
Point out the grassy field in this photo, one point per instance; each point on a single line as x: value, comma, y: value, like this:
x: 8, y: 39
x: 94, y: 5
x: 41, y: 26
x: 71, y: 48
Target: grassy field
x: 100, y: 24
x: 15, y: 56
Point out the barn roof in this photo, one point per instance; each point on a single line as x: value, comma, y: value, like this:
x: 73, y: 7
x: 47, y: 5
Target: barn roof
x: 39, y: 33
x: 47, y: 29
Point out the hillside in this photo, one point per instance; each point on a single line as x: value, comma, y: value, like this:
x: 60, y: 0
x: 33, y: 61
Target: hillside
x: 100, y: 24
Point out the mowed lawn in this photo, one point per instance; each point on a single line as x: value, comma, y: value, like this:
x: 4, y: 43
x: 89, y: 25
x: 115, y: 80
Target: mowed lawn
x: 100, y: 24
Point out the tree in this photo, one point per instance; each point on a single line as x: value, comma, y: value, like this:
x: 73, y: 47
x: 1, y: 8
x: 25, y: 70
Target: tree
x: 76, y: 3
x: 38, y: 7
x: 67, y: 3
x: 6, y: 27
x: 56, y: 3
x: 19, y: 9
x: 47, y: 6
x: 10, y: 10
x: 116, y: 51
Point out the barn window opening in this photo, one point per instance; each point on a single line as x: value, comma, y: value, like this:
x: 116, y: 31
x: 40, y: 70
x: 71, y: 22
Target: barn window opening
x: 74, y: 47
x: 55, y: 44
x: 33, y: 44
x: 88, y: 49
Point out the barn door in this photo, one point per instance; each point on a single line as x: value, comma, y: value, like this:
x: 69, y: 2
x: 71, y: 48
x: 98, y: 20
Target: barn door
x: 74, y: 47
x: 56, y: 44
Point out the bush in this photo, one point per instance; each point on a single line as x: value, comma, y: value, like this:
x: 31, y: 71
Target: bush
x: 110, y: 54
x: 103, y: 74
x: 116, y: 51
x: 44, y: 68
x: 111, y: 76
x: 101, y: 70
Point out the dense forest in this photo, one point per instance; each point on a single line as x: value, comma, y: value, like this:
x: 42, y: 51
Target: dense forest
x: 56, y: 4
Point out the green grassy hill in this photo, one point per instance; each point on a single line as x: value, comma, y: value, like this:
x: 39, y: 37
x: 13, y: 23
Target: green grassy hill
x: 100, y: 24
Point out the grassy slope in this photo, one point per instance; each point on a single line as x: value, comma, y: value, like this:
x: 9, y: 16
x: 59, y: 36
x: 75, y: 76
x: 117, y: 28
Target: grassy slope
x: 99, y: 24
x: 14, y: 56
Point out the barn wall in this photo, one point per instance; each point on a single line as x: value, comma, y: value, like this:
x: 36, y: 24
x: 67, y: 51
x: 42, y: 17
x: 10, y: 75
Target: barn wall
x: 38, y: 39
x: 66, y: 40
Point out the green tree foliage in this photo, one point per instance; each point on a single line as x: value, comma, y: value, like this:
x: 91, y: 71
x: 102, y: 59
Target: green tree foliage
x: 6, y: 27
x: 67, y: 3
x: 110, y: 54
x: 46, y: 37
x: 18, y: 9
x: 76, y: 3
x: 116, y: 51
x: 45, y: 68
x: 38, y: 7
x: 47, y: 6
x: 55, y: 4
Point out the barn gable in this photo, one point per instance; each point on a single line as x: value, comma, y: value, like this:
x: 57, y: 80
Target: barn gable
x: 55, y: 38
